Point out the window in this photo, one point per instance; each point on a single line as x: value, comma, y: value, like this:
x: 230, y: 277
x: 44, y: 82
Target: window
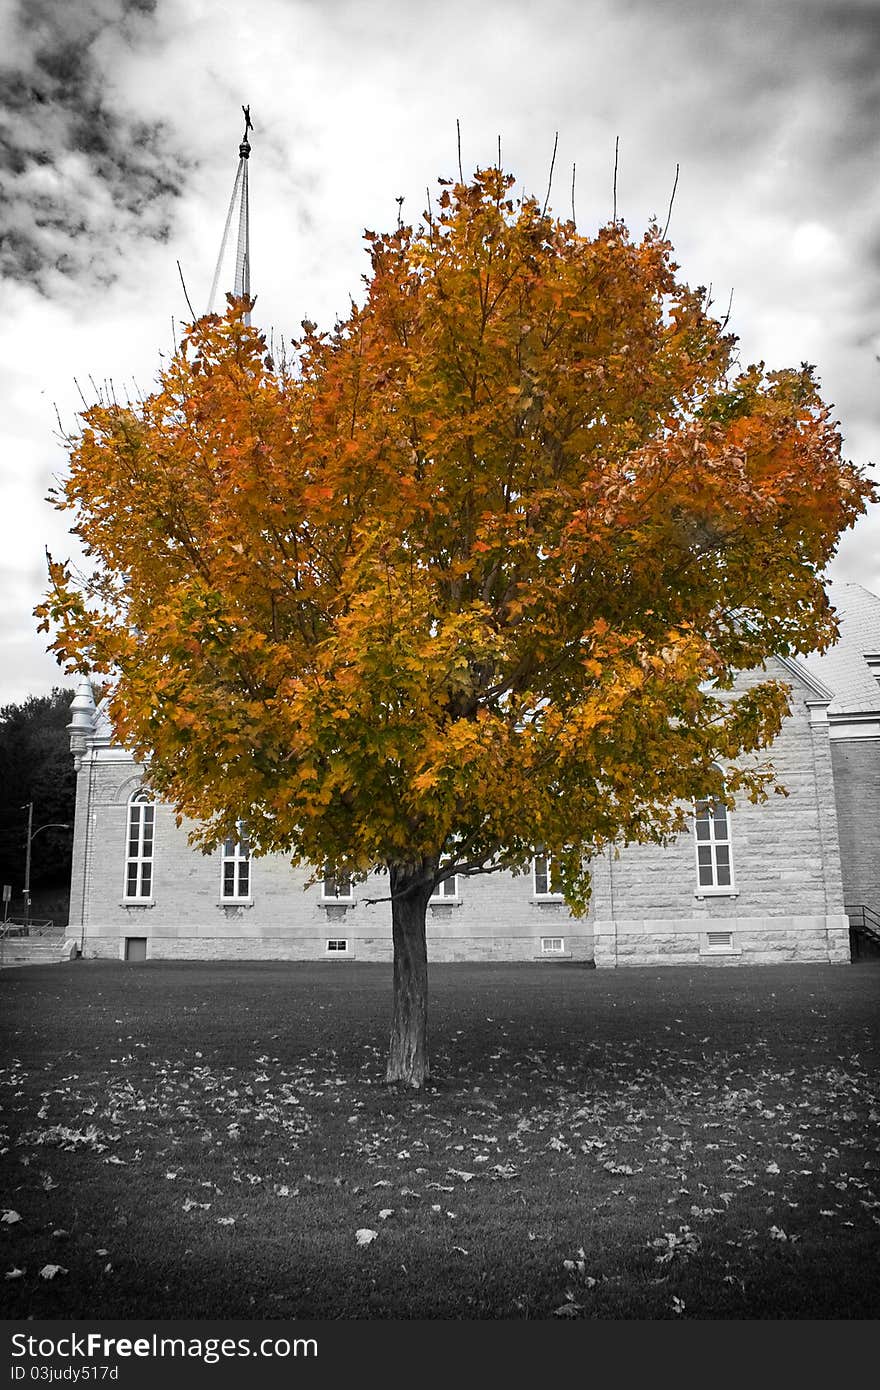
x: 235, y: 882
x: 337, y: 946
x: 545, y: 877
x: 446, y: 889
x: 552, y: 945
x: 336, y: 886
x: 139, y: 858
x: 712, y: 831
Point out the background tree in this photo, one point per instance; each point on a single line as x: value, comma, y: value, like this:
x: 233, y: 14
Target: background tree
x: 35, y: 765
x: 448, y: 585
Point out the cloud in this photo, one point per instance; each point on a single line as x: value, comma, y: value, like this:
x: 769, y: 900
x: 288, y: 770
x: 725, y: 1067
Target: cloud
x: 82, y: 176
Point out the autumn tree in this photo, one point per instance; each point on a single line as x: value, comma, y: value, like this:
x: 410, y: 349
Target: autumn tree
x: 450, y: 584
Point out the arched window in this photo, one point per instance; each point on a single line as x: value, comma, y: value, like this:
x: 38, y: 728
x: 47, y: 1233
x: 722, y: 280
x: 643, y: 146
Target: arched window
x: 235, y: 883
x: 446, y: 889
x: 139, y: 859
x: 714, y: 857
x: 336, y: 886
x: 545, y: 880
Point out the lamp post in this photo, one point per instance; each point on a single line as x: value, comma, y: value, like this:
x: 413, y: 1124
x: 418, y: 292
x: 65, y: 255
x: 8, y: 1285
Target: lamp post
x: 31, y: 836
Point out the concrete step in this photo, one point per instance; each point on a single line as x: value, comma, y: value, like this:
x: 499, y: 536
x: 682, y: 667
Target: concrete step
x: 20, y: 951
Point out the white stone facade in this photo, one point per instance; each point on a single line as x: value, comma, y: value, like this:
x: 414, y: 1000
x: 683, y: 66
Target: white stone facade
x: 785, y: 901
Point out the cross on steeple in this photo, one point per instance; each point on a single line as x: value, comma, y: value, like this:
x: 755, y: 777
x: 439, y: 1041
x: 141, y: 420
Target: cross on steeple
x: 242, y: 284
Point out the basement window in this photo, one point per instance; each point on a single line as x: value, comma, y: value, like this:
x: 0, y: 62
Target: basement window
x: 552, y: 945
x: 337, y: 946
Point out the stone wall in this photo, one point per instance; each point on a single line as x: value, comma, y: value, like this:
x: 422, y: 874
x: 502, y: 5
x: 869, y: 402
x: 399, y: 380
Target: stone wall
x: 856, y: 764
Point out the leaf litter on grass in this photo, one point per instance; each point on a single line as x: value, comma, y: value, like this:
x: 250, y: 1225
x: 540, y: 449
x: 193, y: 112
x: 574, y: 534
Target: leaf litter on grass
x: 686, y: 1159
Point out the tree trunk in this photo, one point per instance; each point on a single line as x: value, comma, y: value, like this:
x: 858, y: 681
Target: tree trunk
x: 408, y: 1055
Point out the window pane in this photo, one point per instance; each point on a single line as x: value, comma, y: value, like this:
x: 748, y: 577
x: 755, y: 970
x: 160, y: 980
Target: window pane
x: 243, y: 880
x: 229, y: 880
x: 228, y: 848
x: 723, y: 876
x: 705, y: 875
x: 704, y: 856
x: 131, y: 881
x: 721, y: 822
x: 702, y: 829
x: 722, y: 855
x: 146, y: 880
x: 542, y: 884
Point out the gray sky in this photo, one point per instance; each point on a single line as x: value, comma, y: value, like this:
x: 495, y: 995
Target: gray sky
x: 119, y: 130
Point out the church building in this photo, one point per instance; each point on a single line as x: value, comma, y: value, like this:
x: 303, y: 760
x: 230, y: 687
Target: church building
x: 790, y: 879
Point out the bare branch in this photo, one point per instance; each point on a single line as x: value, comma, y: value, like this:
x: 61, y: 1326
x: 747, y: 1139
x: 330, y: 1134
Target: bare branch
x: 616, y: 147
x: 726, y: 319
x: 550, y: 180
x: 458, y: 134
x: 185, y: 295
x: 671, y: 201
x: 573, y: 215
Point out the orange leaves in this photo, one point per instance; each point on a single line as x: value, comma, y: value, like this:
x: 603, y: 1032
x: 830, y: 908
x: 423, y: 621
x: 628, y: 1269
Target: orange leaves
x: 455, y: 573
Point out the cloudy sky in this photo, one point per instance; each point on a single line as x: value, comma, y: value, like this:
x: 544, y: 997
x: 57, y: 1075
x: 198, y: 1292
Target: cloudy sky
x: 119, y: 130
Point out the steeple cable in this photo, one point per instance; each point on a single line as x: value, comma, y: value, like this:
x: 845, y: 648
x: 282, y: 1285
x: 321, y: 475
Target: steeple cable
x: 242, y: 284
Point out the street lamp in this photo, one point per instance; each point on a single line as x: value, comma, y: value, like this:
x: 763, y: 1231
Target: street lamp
x: 31, y: 836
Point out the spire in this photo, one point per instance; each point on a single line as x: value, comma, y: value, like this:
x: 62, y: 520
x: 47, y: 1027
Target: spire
x: 242, y: 284
x: 82, y: 719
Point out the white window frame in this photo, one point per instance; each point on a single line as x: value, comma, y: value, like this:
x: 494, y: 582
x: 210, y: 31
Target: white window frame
x: 330, y: 876
x: 140, y: 812
x: 548, y: 896
x: 549, y: 950
x: 715, y: 889
x: 238, y: 860
x: 337, y: 946
x: 442, y: 892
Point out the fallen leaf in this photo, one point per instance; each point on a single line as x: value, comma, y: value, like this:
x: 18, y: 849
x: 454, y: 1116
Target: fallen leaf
x: 365, y: 1236
x: 49, y: 1271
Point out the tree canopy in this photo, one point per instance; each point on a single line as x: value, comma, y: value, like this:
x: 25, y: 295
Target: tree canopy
x: 452, y: 581
x: 35, y: 765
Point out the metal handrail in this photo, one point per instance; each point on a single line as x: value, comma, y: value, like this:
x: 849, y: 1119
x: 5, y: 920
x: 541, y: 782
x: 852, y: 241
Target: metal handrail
x: 863, y: 918
x: 34, y: 926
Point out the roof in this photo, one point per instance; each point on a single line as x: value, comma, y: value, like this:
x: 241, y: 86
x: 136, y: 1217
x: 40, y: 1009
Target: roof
x: 843, y: 668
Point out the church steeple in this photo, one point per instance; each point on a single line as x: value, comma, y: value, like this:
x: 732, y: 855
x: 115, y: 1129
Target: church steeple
x: 242, y: 283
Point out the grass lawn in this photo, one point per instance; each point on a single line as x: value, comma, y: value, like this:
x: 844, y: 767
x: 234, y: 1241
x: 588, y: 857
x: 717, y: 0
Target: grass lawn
x: 206, y: 1140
